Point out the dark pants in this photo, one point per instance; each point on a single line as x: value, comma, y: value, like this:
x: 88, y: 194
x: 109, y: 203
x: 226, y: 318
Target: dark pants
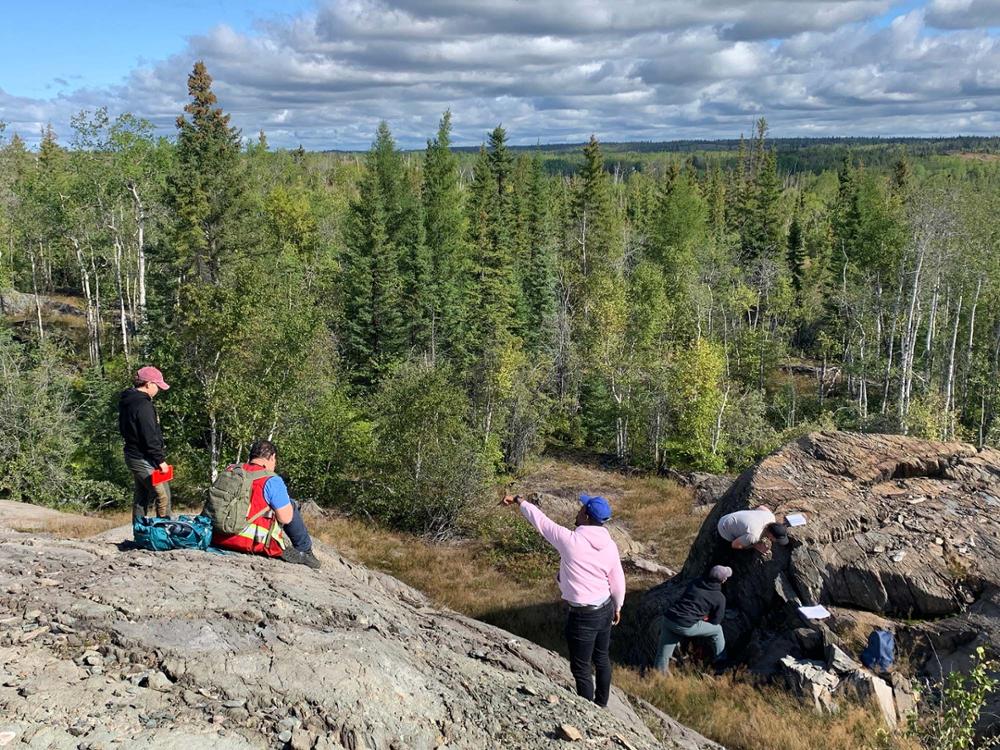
x: 296, y: 532
x: 588, y: 634
x: 146, y: 495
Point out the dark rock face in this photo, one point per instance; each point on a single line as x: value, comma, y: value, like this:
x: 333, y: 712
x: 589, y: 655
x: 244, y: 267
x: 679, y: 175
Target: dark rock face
x: 103, y: 647
x: 708, y: 488
x: 900, y: 527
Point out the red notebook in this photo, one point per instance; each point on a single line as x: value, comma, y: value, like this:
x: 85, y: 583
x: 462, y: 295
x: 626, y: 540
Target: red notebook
x: 159, y: 477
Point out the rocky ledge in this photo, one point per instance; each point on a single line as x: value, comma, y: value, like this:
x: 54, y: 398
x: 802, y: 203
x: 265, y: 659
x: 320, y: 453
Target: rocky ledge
x: 103, y: 647
x: 902, y: 533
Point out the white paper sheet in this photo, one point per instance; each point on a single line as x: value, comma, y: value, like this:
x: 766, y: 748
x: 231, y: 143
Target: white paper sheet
x: 795, y: 519
x: 814, y: 612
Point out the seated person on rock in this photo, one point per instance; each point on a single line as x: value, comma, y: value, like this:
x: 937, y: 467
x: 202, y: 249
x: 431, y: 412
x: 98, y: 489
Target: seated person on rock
x: 592, y: 582
x: 752, y: 528
x: 252, y: 512
x: 698, y: 613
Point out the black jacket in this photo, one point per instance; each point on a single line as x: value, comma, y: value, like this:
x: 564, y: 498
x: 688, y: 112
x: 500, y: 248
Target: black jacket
x: 140, y: 427
x: 703, y: 598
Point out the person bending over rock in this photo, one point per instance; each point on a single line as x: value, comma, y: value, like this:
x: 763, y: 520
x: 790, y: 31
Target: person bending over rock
x: 752, y: 528
x: 592, y: 582
x: 144, y: 449
x: 697, y: 614
x: 252, y: 512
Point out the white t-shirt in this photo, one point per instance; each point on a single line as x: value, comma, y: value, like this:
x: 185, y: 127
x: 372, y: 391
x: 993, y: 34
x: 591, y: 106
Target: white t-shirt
x: 745, y: 525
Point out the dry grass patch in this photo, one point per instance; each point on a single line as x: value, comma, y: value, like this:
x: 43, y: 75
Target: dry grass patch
x: 81, y: 527
x: 29, y: 517
x: 743, y: 716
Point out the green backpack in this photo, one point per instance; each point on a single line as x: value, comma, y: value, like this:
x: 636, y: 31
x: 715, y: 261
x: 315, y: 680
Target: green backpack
x: 229, y: 499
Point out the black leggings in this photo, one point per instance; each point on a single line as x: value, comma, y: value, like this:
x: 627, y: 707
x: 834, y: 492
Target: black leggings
x: 588, y: 634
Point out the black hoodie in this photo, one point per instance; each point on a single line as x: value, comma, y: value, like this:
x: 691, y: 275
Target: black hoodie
x: 140, y: 427
x: 703, y: 599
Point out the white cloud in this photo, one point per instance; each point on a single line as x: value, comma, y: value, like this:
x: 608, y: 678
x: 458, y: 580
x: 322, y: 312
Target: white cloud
x: 560, y: 70
x: 963, y: 14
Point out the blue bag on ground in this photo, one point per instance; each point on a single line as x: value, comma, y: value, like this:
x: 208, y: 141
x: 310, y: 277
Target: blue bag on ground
x: 162, y: 534
x: 879, y: 654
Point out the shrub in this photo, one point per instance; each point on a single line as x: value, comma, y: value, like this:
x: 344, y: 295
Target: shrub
x: 38, y: 434
x: 427, y: 467
x: 951, y: 725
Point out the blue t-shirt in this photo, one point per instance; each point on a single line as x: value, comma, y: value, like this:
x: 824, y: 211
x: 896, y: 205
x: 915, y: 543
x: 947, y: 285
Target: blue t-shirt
x: 276, y: 493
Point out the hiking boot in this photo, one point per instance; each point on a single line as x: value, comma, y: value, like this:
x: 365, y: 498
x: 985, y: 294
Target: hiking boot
x: 298, y: 557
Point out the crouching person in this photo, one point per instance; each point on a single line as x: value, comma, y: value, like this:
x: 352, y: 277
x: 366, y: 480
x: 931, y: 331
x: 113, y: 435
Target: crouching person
x: 698, y: 613
x: 252, y: 512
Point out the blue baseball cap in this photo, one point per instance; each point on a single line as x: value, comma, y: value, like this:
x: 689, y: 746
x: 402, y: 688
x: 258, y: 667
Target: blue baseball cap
x: 597, y: 507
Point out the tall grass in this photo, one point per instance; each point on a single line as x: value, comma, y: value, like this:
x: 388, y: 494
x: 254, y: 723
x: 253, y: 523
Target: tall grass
x: 741, y: 715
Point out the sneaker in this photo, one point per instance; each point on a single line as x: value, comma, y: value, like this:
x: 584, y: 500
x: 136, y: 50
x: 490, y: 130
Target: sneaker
x: 298, y: 557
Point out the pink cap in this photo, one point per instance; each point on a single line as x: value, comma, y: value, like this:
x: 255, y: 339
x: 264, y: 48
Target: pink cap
x: 152, y: 375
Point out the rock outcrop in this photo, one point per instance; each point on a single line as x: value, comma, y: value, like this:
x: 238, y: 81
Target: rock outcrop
x: 905, y: 529
x: 103, y: 646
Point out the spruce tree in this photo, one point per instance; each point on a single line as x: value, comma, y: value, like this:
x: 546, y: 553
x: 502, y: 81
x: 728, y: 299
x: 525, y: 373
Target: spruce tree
x: 444, y: 235
x: 398, y: 191
x: 374, y: 331
x: 539, y: 278
x: 494, y: 289
x: 796, y: 256
x: 205, y: 189
x: 597, y: 249
x: 767, y: 229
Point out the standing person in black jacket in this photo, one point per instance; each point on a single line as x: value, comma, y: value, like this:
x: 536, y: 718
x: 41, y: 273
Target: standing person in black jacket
x: 698, y: 613
x: 144, y: 448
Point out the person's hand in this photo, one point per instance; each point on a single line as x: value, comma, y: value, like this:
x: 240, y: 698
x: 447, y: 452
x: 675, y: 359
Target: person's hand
x: 512, y: 499
x: 163, y: 467
x: 762, y: 547
x: 617, y: 618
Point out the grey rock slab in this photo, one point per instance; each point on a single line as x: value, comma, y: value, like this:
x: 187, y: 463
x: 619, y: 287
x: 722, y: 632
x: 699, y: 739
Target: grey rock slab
x: 875, y: 690
x: 357, y: 658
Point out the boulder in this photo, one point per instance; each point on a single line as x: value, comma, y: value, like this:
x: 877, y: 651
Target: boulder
x: 18, y: 305
x: 235, y: 651
x: 903, y: 696
x: 906, y: 531
x: 839, y: 662
x: 868, y: 688
x: 708, y: 488
x: 811, y: 681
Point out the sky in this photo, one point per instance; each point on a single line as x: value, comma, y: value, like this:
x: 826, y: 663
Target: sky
x: 323, y: 73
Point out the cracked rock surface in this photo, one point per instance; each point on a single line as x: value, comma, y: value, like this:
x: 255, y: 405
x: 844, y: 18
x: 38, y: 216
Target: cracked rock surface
x: 901, y: 532
x: 102, y: 647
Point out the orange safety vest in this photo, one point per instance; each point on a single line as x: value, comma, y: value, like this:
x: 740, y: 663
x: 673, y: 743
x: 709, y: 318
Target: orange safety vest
x: 263, y: 534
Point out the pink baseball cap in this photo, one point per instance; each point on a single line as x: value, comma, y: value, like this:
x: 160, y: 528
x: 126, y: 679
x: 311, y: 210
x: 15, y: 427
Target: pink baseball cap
x: 152, y: 375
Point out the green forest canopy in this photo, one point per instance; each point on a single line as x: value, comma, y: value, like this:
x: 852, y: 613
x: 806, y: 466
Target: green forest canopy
x: 410, y: 326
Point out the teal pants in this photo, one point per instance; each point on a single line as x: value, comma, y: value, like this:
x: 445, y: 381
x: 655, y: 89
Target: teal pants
x: 671, y: 634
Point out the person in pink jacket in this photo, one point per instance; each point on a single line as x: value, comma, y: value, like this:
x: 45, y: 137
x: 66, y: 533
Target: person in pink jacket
x: 592, y: 582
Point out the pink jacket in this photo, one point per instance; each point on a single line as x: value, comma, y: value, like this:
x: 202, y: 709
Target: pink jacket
x: 589, y: 569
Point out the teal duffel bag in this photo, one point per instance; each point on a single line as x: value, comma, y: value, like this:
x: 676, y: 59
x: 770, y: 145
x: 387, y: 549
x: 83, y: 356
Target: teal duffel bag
x: 162, y: 534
